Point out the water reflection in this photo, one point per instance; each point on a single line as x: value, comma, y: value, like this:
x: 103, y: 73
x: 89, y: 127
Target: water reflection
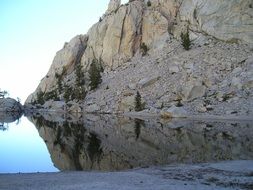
x: 8, y: 117
x: 102, y: 142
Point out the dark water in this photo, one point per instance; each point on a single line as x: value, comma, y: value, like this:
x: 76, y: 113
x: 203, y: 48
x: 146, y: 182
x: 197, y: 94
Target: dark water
x: 104, y: 142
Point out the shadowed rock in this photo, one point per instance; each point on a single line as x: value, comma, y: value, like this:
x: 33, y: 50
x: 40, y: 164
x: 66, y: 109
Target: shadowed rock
x: 110, y: 143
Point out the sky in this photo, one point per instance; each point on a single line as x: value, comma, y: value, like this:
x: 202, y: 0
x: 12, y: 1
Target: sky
x: 32, y: 31
x: 23, y: 150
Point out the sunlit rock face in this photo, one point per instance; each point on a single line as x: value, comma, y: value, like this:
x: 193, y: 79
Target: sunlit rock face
x: 110, y: 143
x: 118, y: 35
x: 229, y: 20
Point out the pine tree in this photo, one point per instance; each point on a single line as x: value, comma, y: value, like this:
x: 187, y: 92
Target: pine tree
x: 79, y: 75
x: 148, y: 3
x: 185, y: 39
x: 138, y: 103
x: 95, y: 76
x: 40, y: 97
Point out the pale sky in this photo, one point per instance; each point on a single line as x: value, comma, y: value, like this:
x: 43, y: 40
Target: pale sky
x: 32, y: 31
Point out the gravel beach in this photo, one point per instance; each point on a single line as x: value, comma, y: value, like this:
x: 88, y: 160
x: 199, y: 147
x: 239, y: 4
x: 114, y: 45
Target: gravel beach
x: 207, y: 176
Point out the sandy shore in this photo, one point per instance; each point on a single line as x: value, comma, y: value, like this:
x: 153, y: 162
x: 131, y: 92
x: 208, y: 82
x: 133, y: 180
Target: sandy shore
x: 222, y: 175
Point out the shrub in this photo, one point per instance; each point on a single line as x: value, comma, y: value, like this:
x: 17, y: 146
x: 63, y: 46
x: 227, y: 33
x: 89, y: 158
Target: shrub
x: 79, y: 75
x: 59, y: 78
x: 79, y: 93
x: 95, y: 76
x: 52, y: 95
x: 144, y: 48
x: 149, y: 3
x: 185, y: 39
x: 40, y: 97
x: 139, y: 106
x: 68, y: 93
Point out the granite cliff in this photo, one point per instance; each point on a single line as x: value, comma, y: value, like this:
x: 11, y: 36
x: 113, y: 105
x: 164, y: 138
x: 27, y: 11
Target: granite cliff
x: 137, y: 47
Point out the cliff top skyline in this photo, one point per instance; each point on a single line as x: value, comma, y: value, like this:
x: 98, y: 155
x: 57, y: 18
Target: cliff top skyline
x: 33, y: 31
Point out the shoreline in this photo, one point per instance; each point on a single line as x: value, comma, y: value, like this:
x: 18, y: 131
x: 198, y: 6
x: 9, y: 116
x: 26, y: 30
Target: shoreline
x: 147, y: 115
x: 221, y: 175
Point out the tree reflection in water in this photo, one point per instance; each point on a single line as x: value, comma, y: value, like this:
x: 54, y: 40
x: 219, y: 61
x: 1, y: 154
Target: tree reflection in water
x: 137, y: 128
x: 103, y: 142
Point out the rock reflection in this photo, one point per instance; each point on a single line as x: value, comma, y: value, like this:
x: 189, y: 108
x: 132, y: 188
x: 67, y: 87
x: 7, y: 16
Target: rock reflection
x: 114, y: 143
x: 8, y: 117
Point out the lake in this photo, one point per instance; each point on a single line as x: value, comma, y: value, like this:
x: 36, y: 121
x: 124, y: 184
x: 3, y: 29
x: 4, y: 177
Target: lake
x: 60, y: 142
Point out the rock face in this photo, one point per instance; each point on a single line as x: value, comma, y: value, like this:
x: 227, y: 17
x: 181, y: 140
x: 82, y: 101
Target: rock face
x: 118, y: 40
x: 229, y: 20
x: 10, y: 105
x: 113, y: 6
x: 63, y: 63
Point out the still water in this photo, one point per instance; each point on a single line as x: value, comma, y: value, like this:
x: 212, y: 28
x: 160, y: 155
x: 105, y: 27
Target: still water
x: 50, y: 143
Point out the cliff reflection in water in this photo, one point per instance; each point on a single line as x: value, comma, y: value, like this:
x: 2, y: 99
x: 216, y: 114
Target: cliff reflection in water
x: 109, y: 143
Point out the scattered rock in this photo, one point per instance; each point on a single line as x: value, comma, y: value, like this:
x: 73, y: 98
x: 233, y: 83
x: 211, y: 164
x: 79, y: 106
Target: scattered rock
x: 148, y: 81
x: 173, y: 111
x: 174, y: 69
x: 132, y: 86
x: 57, y: 106
x: 92, y: 108
x: 74, y: 108
x: 127, y: 104
x: 202, y: 109
x: 236, y: 82
x: 248, y: 84
x: 191, y: 91
x: 166, y: 115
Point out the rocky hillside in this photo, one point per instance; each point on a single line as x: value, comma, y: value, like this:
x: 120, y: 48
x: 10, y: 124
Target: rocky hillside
x: 137, y: 47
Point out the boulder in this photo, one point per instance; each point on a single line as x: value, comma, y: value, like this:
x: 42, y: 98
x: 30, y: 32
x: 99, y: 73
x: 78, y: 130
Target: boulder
x: 148, y: 81
x: 236, y: 82
x: 174, y: 69
x: 92, y: 108
x: 74, y: 108
x: 192, y: 90
x: 248, y: 84
x: 174, y: 112
x: 10, y: 105
x: 166, y: 115
x: 127, y: 104
x: 132, y: 86
x: 56, y: 106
